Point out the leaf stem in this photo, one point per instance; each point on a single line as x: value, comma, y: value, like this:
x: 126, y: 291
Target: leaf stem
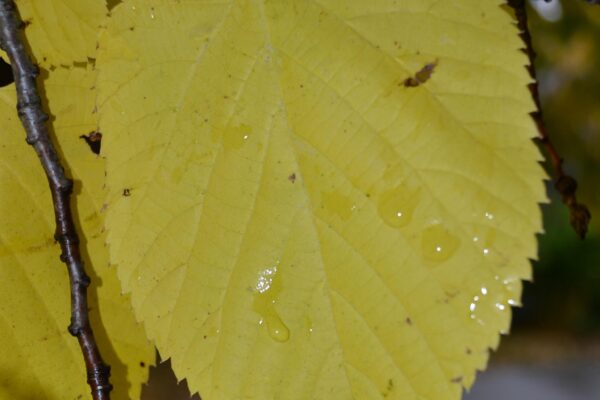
x: 33, y: 117
x: 565, y: 185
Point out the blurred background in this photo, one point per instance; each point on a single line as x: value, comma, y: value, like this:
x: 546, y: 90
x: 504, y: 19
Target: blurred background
x: 553, y: 351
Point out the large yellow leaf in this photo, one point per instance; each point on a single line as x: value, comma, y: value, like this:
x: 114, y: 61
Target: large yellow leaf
x: 320, y: 199
x: 38, y: 357
x: 63, y: 31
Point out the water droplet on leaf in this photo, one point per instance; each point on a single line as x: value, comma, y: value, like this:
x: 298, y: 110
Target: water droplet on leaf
x: 396, y: 206
x: 438, y: 243
x: 338, y: 204
x: 235, y: 137
x: 268, y: 288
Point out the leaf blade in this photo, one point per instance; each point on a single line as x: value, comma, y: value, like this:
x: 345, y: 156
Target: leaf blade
x: 283, y: 137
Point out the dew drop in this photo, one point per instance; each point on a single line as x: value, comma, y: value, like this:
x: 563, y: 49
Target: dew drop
x: 235, y: 137
x: 396, y: 206
x: 338, y: 204
x: 438, y: 244
x: 267, y: 290
x: 473, y: 309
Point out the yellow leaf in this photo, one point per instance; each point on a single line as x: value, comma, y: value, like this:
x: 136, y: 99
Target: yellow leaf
x: 38, y: 357
x: 320, y: 199
x: 63, y: 31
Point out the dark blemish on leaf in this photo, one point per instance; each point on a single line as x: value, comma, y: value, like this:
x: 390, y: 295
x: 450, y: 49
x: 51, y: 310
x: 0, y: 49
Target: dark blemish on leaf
x: 110, y: 4
x: 292, y: 177
x: 126, y: 192
x: 132, y: 28
x: 468, y: 351
x: 26, y: 23
x: 422, y: 76
x: 458, y: 379
x: 142, y: 364
x: 205, y: 336
x: 6, y: 75
x: 368, y: 195
x: 390, y: 385
x: 408, y: 321
x: 94, y: 140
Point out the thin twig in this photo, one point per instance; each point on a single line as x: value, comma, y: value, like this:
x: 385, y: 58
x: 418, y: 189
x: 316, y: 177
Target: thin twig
x: 565, y: 185
x: 29, y: 107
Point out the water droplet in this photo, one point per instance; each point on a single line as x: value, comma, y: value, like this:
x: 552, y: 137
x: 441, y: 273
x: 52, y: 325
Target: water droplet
x: 268, y: 288
x: 484, y: 291
x: 338, y: 204
x: 234, y: 137
x: 489, y: 215
x: 473, y: 308
x: 500, y: 306
x: 484, y: 239
x: 396, y: 206
x: 438, y: 244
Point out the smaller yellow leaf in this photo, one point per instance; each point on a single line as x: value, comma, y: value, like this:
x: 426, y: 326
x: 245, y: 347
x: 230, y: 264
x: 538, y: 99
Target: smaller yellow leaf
x: 38, y: 357
x: 61, y: 32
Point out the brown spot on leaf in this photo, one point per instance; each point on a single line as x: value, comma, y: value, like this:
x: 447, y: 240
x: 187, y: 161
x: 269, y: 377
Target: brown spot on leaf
x: 292, y: 177
x: 458, y: 379
x: 94, y: 140
x: 408, y: 321
x: 126, y: 192
x: 422, y: 76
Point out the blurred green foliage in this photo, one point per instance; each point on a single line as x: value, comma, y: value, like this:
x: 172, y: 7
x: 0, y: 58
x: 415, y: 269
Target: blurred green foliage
x: 566, y: 294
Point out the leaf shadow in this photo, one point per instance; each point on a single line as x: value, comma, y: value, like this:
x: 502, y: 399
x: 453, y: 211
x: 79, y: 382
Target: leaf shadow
x: 29, y: 391
x: 118, y: 370
x: 162, y: 384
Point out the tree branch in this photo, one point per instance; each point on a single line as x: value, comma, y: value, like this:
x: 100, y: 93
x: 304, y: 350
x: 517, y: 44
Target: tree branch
x: 565, y: 185
x: 29, y: 107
